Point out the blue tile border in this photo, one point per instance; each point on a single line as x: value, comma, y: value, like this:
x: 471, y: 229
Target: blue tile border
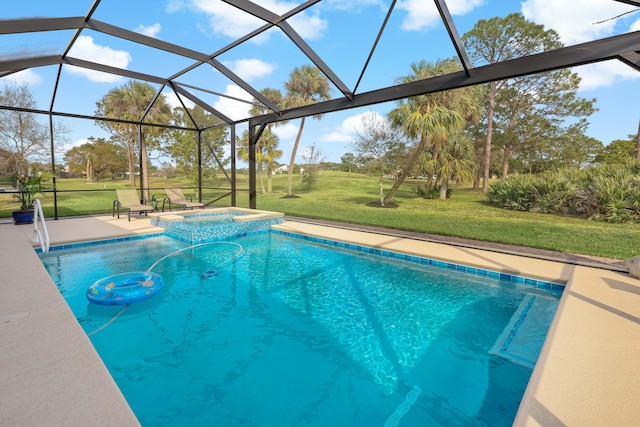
x: 519, y: 280
x: 100, y: 242
x: 142, y: 237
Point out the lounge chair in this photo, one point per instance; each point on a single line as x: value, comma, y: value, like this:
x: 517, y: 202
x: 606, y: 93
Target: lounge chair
x: 128, y: 199
x: 176, y: 197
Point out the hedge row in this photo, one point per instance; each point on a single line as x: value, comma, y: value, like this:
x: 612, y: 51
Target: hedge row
x: 607, y: 192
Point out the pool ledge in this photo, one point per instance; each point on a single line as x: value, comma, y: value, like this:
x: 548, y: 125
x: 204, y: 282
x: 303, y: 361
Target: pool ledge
x: 249, y: 214
x: 50, y: 373
x: 587, y: 373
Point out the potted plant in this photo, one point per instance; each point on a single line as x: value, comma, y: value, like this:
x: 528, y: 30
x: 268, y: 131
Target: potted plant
x: 28, y: 188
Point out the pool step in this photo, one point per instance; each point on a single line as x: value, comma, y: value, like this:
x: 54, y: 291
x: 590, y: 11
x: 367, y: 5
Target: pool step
x: 524, y: 335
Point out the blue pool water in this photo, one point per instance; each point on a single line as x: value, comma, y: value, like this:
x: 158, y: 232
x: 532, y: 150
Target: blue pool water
x: 273, y: 330
x: 218, y: 219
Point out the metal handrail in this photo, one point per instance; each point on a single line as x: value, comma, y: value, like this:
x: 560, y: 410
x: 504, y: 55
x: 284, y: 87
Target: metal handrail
x: 37, y: 234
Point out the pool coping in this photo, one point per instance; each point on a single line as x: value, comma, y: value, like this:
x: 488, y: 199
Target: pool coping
x: 248, y: 214
x: 584, y: 376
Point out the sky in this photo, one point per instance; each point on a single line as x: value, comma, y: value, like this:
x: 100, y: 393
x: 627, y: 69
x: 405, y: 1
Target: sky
x: 341, y: 32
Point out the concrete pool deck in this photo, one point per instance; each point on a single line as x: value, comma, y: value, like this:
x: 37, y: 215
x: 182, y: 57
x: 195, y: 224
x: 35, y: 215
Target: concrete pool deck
x: 51, y: 375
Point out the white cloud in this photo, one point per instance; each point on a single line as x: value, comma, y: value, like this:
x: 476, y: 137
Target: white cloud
x: 232, y: 22
x: 354, y: 5
x: 574, y: 21
x: 27, y: 76
x: 85, y: 48
x: 604, y: 74
x: 347, y: 130
x: 250, y: 69
x: 236, y: 110
x: 424, y: 15
x: 175, y: 6
x: 585, y: 25
x: 286, y: 131
x: 174, y: 102
x: 68, y: 146
x: 310, y: 27
x: 150, y: 31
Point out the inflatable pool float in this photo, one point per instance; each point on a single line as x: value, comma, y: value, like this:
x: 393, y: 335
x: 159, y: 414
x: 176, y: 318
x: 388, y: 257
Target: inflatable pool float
x: 124, y: 289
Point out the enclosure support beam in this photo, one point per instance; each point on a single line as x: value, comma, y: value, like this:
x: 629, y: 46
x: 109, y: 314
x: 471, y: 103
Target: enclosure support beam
x: 140, y: 174
x: 234, y: 185
x: 254, y: 136
x: 581, y: 54
x: 200, y: 166
x: 51, y: 136
x: 53, y: 168
x: 252, y: 167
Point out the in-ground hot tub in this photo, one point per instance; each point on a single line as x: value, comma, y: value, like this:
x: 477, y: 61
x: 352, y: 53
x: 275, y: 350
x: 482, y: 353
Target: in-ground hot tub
x: 214, y: 224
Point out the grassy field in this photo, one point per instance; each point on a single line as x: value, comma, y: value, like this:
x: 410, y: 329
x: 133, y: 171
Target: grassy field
x: 343, y: 197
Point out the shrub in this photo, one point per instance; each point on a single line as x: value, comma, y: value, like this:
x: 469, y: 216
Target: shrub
x: 516, y: 192
x: 426, y: 193
x: 609, y: 193
x: 310, y: 179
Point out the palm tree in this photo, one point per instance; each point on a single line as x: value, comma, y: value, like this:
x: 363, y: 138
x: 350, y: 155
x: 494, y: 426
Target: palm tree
x: 273, y: 95
x: 454, y: 162
x: 267, y: 146
x: 306, y: 85
x: 267, y: 152
x: 429, y: 119
x: 130, y: 102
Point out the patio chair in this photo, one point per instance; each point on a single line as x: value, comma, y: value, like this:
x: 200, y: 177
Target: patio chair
x: 128, y: 199
x: 176, y: 197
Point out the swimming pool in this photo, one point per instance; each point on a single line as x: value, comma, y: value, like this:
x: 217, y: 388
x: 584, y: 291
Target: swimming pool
x: 270, y: 329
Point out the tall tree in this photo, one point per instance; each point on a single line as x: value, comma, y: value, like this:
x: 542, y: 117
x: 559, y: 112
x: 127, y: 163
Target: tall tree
x: 429, y: 119
x: 267, y: 153
x: 80, y: 160
x: 618, y: 152
x: 313, y: 158
x: 130, y: 102
x: 97, y: 158
x: 455, y: 162
x: 497, y: 40
x: 638, y: 142
x: 377, y: 145
x: 306, y: 85
x: 23, y: 139
x: 348, y: 162
x: 267, y: 146
x: 529, y: 105
x: 182, y: 144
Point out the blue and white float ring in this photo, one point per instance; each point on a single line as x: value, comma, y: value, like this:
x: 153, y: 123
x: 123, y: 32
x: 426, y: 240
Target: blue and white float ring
x: 126, y: 288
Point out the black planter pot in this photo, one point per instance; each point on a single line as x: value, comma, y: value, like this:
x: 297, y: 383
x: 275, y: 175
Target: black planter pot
x: 23, y: 217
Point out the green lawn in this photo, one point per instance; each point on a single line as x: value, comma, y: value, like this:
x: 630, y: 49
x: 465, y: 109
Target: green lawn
x: 467, y: 214
x: 343, y: 197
